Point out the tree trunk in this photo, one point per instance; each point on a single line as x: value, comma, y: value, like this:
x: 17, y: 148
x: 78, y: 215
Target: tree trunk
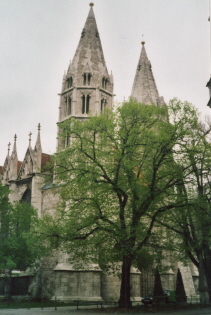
x: 207, y: 266
x: 203, y: 288
x: 124, y: 300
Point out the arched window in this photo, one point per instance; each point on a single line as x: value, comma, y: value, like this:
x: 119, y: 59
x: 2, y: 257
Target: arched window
x: 85, y: 103
x: 87, y: 78
x: 69, y: 106
x: 67, y: 140
x: 26, y: 196
x: 104, y: 83
x: 103, y: 104
x: 69, y: 82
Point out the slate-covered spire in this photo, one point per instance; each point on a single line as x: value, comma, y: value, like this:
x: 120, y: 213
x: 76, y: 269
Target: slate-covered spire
x: 144, y: 87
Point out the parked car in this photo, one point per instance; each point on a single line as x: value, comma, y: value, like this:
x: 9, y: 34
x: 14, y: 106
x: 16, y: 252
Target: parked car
x: 147, y: 300
x: 168, y: 297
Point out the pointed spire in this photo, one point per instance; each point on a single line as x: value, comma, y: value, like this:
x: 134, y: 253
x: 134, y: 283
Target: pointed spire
x: 87, y: 82
x: 91, y: 12
x: 89, y: 53
x: 209, y: 87
x: 8, y: 153
x: 14, y: 161
x: 38, y: 142
x: 38, y: 152
x: 14, y: 151
x: 144, y: 87
x: 30, y: 138
x: 5, y: 169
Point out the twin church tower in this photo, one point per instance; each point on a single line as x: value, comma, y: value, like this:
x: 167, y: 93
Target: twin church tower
x: 87, y: 88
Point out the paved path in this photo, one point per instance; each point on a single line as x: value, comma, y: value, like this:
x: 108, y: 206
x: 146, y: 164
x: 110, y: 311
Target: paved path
x: 67, y: 310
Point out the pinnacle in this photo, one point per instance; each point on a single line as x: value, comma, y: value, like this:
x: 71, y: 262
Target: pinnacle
x: 91, y: 12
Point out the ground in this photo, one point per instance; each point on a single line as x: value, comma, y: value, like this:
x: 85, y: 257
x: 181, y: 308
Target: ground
x: 72, y: 311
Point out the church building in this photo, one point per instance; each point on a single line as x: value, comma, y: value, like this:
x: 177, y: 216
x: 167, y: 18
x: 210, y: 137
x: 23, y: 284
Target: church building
x: 87, y: 88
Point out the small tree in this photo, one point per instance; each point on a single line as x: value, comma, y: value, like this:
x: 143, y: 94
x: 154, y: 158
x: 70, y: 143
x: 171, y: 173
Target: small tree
x: 20, y: 247
x: 118, y: 176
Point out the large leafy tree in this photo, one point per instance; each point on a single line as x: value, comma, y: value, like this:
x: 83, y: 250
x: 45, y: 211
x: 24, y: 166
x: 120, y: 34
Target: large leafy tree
x: 193, y: 225
x: 117, y: 177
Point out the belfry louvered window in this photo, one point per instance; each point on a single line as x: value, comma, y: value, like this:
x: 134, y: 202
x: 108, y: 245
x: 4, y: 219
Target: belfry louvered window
x: 87, y: 78
x: 85, y: 104
x: 69, y: 106
x: 103, y: 104
x: 104, y: 83
x: 69, y: 82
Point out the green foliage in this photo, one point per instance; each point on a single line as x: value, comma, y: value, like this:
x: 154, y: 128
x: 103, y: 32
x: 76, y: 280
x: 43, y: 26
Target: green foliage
x: 118, y: 177
x: 193, y: 157
x: 20, y: 246
x: 144, y: 260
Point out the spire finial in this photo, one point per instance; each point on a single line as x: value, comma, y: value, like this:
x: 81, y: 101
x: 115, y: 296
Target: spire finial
x: 39, y: 127
x: 30, y: 134
x: 91, y: 4
x: 142, y: 43
x: 9, y: 144
x: 15, y: 137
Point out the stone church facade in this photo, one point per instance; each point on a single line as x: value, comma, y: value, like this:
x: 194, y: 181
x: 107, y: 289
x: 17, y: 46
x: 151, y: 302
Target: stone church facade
x: 87, y: 87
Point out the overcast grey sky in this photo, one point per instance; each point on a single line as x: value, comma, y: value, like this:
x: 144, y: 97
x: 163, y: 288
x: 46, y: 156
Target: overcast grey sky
x: 39, y: 37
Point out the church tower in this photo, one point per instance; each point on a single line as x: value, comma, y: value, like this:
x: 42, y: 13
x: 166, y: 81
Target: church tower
x: 87, y: 87
x: 144, y: 87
